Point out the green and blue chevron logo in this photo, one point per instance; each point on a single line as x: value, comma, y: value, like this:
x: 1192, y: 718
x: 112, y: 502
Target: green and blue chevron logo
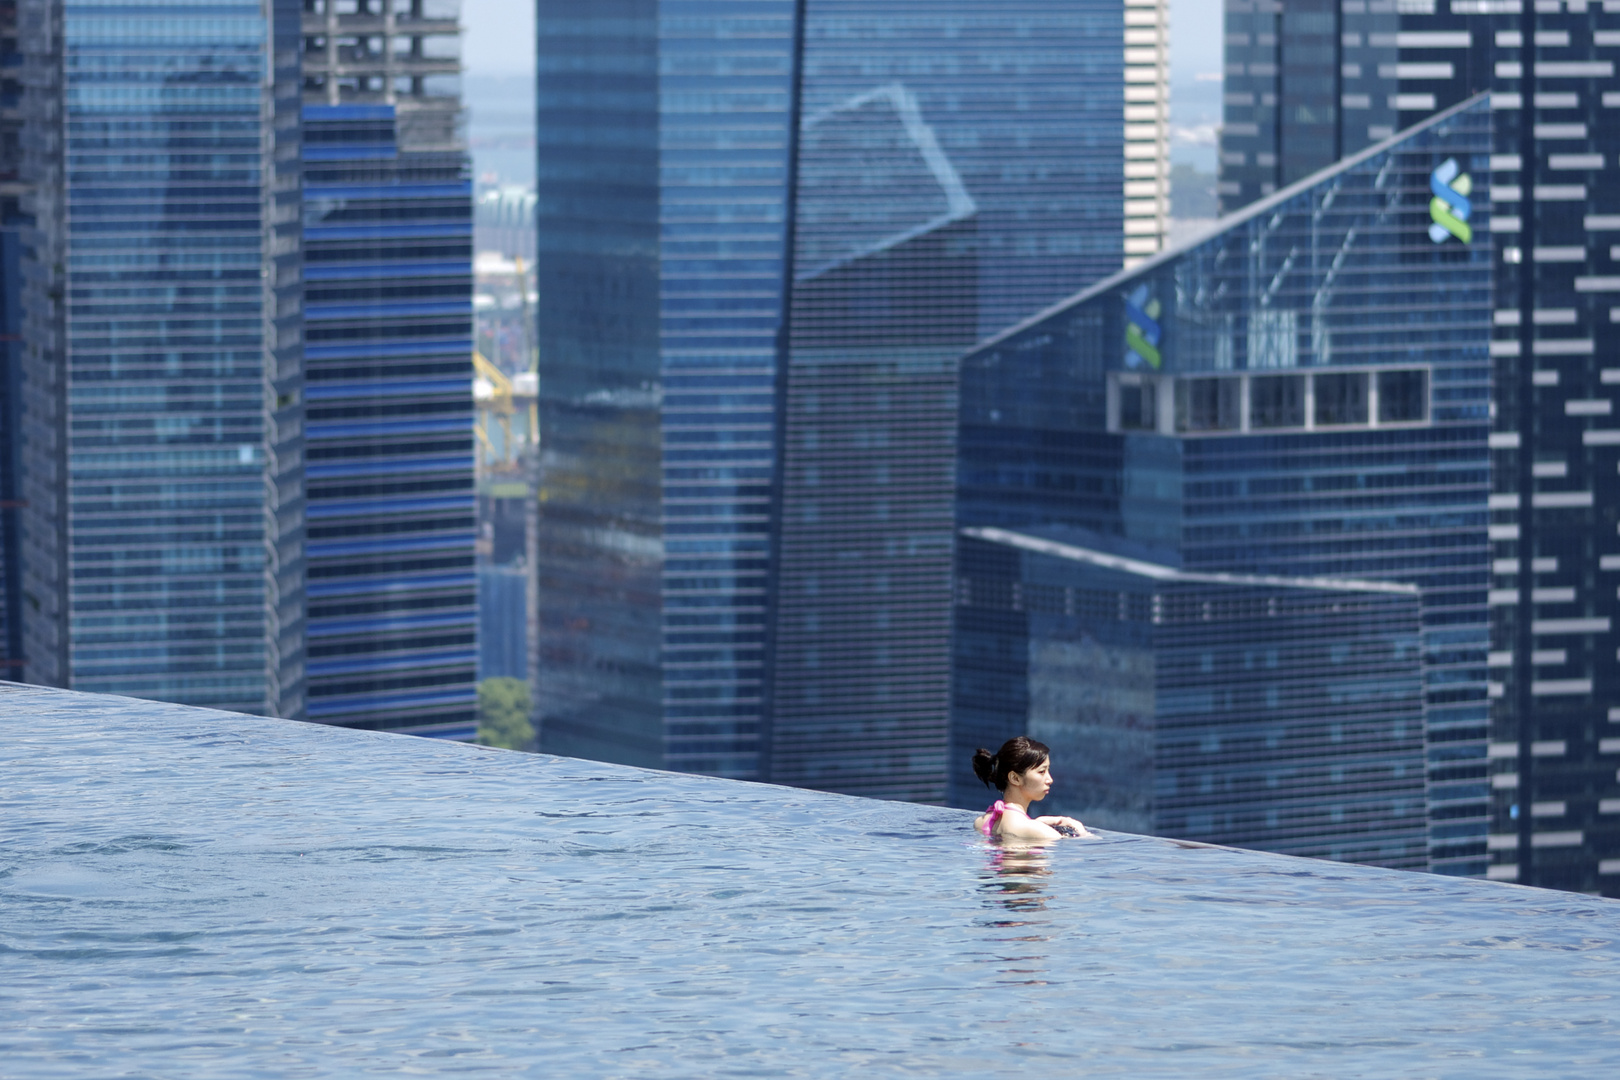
x: 1450, y: 208
x: 1142, y: 332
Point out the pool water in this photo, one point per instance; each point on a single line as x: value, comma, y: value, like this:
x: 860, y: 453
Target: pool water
x: 192, y: 893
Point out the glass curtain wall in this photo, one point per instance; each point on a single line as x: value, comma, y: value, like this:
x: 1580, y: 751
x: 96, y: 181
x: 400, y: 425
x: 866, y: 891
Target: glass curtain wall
x: 1555, y: 734
x: 392, y: 633
x: 12, y: 190
x: 599, y: 540
x: 726, y: 115
x: 149, y: 545
x: 959, y: 168
x: 1309, y: 82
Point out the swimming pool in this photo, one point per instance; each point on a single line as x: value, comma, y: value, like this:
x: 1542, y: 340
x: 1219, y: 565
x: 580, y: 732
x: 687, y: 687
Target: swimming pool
x: 188, y: 893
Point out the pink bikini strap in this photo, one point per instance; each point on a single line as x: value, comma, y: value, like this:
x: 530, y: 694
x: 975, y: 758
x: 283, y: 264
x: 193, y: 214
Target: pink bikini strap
x: 993, y: 817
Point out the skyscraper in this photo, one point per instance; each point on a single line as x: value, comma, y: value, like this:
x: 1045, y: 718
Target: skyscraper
x: 1306, y: 393
x: 1147, y: 127
x: 161, y: 538
x: 1555, y: 194
x: 1308, y: 82
x: 745, y: 210
x: 11, y: 193
x: 392, y: 586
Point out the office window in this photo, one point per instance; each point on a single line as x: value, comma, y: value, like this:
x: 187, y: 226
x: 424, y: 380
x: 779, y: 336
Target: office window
x: 1207, y: 405
x: 1403, y: 397
x: 1139, y: 407
x: 1276, y: 401
x: 1341, y: 398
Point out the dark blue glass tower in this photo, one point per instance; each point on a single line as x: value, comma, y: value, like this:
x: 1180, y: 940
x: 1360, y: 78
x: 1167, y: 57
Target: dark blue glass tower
x: 599, y: 540
x: 747, y: 209
x: 11, y: 591
x: 12, y: 191
x: 1306, y: 392
x: 392, y: 625
x: 161, y: 309
x: 1555, y: 687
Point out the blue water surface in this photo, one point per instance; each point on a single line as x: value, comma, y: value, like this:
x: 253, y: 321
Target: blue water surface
x: 186, y: 893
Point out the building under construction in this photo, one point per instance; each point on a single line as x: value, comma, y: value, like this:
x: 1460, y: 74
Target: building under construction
x: 392, y: 625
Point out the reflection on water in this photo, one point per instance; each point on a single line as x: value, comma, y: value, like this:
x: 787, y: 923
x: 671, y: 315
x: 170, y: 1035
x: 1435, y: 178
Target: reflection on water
x: 1015, y: 876
x: 197, y: 894
x: 1015, y: 881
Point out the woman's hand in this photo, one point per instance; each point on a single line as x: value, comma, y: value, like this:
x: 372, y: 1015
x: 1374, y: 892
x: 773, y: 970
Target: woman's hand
x: 1055, y: 820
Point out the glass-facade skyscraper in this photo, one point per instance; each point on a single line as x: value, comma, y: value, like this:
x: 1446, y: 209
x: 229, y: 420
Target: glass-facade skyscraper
x: 1550, y: 68
x: 161, y: 535
x: 12, y: 190
x: 746, y: 209
x: 1308, y: 82
x: 1305, y: 393
x: 392, y: 610
x: 1555, y: 680
x: 392, y: 588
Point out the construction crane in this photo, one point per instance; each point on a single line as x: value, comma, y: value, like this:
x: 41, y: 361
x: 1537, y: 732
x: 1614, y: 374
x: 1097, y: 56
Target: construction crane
x: 492, y: 393
x: 500, y: 396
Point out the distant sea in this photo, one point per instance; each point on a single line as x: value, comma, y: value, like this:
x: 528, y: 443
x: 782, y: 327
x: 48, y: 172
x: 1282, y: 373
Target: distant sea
x: 500, y: 129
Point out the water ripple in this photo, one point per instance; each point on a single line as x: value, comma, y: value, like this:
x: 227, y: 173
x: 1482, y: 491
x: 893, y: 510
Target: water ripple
x: 186, y: 893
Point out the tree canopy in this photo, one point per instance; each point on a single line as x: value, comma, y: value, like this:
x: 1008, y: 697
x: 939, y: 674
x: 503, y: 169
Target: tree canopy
x: 503, y: 714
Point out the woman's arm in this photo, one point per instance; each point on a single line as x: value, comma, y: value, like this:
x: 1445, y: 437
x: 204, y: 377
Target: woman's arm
x: 1019, y: 827
x: 1055, y: 820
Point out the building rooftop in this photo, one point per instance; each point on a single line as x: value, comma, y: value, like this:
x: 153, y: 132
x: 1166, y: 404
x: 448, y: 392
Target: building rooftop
x: 1053, y: 541
x: 1256, y: 209
x: 201, y: 893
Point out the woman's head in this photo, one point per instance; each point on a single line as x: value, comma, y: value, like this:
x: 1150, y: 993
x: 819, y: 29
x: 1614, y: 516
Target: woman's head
x: 1017, y: 755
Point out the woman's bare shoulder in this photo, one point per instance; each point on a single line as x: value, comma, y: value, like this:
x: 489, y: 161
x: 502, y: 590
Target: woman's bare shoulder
x: 1026, y: 828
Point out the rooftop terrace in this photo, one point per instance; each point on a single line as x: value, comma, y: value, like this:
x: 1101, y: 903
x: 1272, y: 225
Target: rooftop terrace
x: 194, y: 893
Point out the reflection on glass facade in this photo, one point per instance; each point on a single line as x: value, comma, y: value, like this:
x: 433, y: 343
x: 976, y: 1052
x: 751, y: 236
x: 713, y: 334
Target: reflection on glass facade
x: 599, y: 537
x: 944, y: 192
x: 162, y: 327
x: 1142, y: 408
x: 392, y: 630
x: 1267, y: 712
x: 12, y: 191
x: 725, y: 116
x: 957, y: 167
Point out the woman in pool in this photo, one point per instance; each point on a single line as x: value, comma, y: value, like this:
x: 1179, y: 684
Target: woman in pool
x: 1022, y: 771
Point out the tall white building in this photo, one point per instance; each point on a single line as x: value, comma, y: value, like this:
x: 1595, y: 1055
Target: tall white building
x: 1147, y: 127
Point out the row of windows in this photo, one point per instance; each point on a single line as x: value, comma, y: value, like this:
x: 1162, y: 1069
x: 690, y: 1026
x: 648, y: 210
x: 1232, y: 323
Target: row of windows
x: 1235, y: 404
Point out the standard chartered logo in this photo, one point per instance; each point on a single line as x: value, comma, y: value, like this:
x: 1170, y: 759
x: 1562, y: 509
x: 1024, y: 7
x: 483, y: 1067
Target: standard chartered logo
x: 1142, y: 331
x: 1450, y: 208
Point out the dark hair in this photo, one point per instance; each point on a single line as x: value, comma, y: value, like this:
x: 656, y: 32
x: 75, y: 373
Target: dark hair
x: 1017, y: 755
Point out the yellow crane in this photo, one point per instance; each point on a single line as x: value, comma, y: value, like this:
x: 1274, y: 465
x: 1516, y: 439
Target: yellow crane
x: 499, y: 396
x: 531, y: 353
x: 492, y: 393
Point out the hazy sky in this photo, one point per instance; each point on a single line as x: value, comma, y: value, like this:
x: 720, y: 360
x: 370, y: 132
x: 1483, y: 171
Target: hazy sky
x: 500, y: 36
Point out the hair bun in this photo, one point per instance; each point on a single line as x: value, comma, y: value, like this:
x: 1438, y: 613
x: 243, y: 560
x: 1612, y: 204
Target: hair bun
x: 984, y: 764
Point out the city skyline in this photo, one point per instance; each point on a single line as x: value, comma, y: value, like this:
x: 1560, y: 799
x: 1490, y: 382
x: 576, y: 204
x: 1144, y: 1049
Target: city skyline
x: 809, y: 294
